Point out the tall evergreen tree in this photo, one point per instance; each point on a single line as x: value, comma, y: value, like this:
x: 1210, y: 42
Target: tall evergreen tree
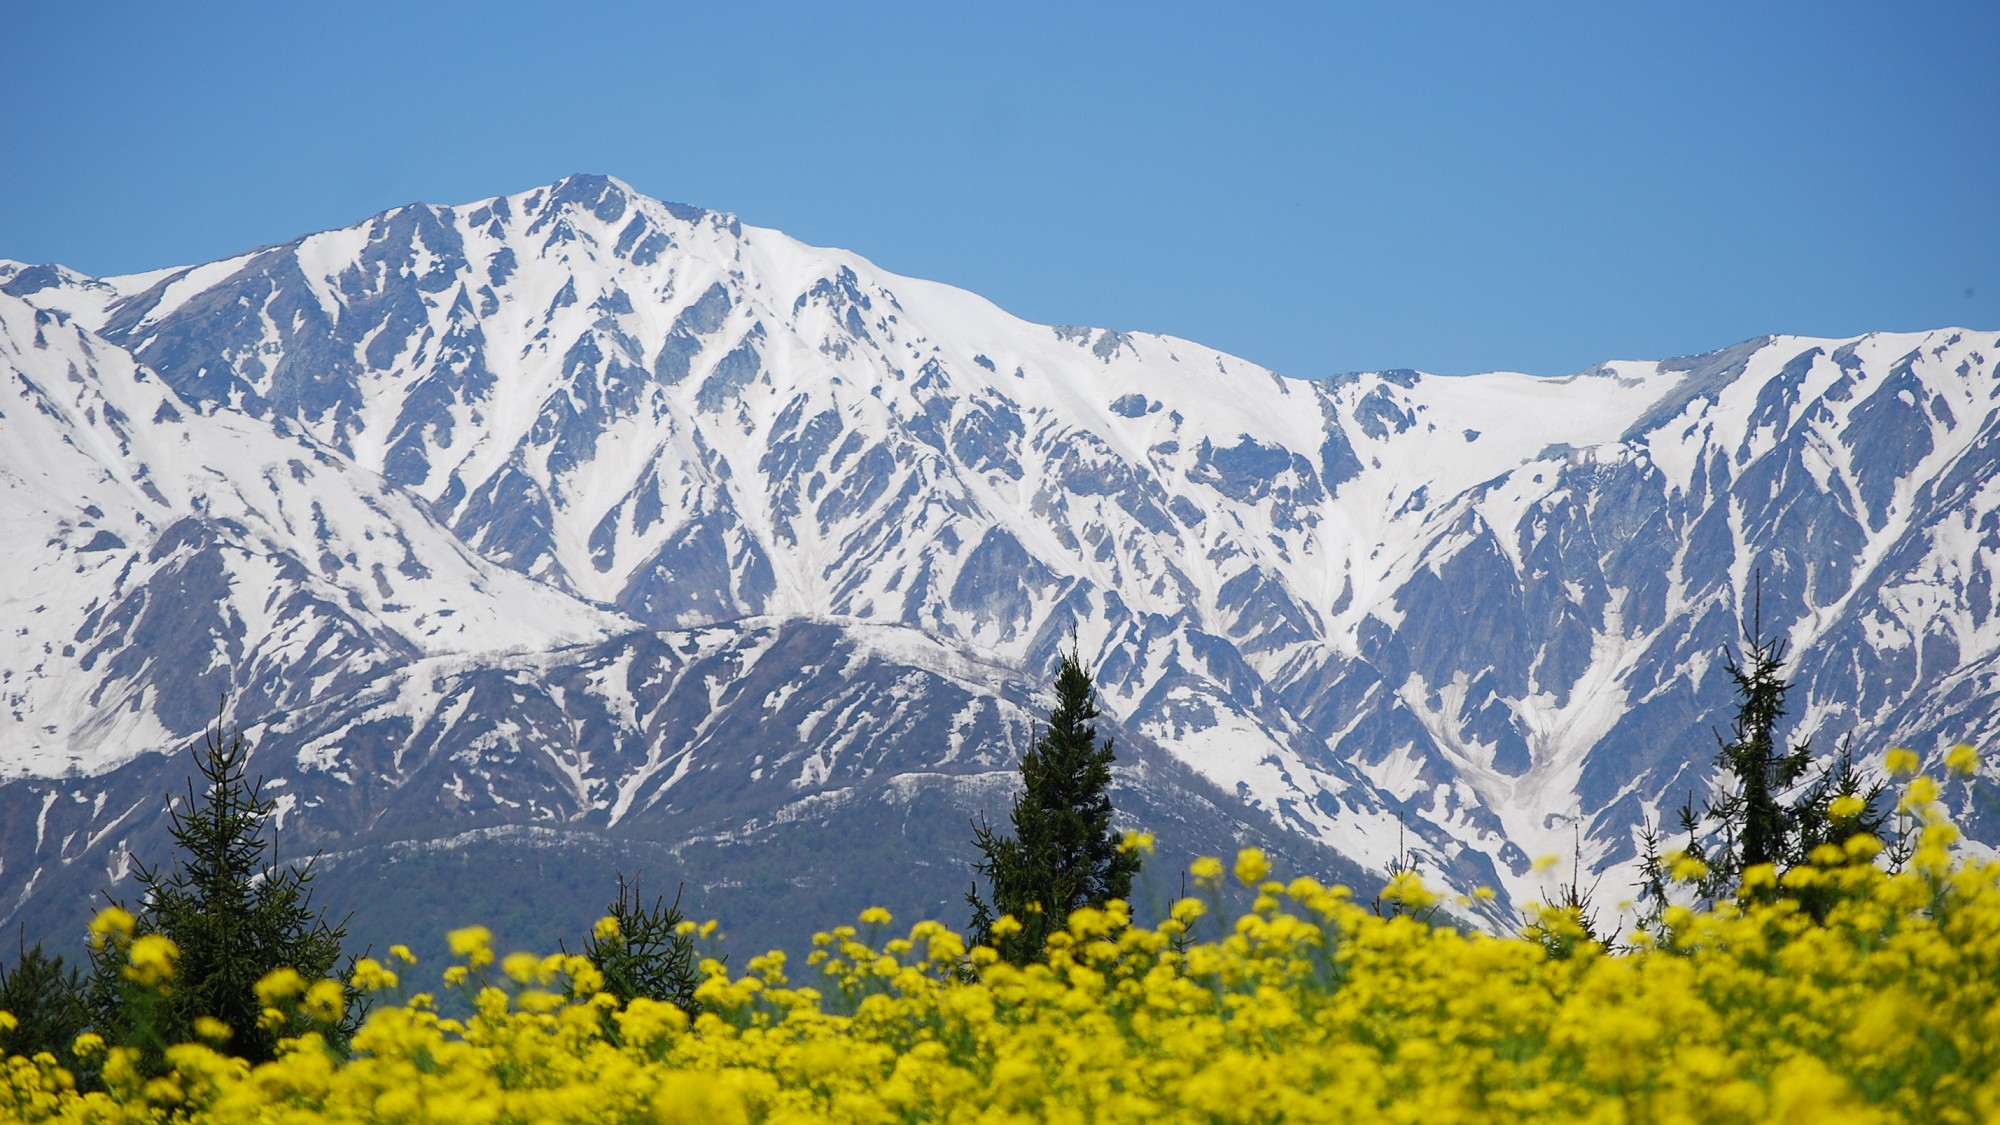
x: 1753, y: 757
x: 233, y: 913
x: 1754, y: 824
x: 1063, y: 854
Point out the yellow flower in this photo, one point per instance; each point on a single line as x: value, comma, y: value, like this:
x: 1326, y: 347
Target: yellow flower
x: 873, y: 916
x: 1901, y: 762
x: 472, y: 943
x: 402, y: 953
x: 280, y: 985
x: 325, y: 1002
x: 525, y: 968
x: 1920, y: 792
x: 113, y: 924
x: 371, y: 976
x: 1251, y: 866
x: 1846, y: 807
x: 151, y: 960
x: 212, y: 1029
x: 1141, y: 842
x: 87, y: 1045
x: 1407, y: 888
x: 1207, y: 871
x: 606, y: 929
x: 1687, y: 869
x: 1963, y: 760
x: 698, y: 1099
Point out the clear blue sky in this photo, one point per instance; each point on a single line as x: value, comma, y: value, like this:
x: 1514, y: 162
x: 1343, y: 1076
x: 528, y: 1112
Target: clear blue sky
x: 1318, y: 188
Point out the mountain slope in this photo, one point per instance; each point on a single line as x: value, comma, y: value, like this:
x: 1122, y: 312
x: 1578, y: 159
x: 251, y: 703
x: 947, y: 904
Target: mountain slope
x: 160, y: 558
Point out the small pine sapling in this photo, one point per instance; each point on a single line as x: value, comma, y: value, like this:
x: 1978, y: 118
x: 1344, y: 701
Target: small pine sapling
x: 45, y: 997
x: 645, y: 951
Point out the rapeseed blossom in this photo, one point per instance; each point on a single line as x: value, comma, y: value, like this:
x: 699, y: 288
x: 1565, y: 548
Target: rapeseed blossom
x: 1963, y: 760
x: 1311, y: 1006
x: 113, y: 925
x: 1252, y: 866
x: 150, y: 961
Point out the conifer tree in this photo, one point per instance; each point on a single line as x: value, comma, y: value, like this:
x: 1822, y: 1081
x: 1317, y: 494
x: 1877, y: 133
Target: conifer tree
x: 645, y: 951
x: 1752, y: 756
x: 1063, y: 854
x: 232, y: 913
x: 46, y: 1000
x: 1753, y: 824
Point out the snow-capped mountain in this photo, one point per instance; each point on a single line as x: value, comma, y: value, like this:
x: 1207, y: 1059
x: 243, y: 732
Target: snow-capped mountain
x: 462, y: 505
x: 158, y: 559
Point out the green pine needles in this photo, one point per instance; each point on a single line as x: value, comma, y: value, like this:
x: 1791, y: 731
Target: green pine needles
x: 1772, y: 816
x: 45, y: 998
x: 645, y: 951
x: 1063, y: 854
x: 232, y: 913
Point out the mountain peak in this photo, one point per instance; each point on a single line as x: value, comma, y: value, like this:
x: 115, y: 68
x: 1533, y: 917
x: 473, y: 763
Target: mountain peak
x: 603, y: 196
x: 607, y: 198
x: 20, y: 279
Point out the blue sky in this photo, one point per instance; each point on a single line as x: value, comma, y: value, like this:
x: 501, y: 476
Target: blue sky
x: 1318, y: 188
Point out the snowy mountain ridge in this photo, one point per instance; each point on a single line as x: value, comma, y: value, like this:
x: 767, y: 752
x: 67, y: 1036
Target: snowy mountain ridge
x: 1476, y: 617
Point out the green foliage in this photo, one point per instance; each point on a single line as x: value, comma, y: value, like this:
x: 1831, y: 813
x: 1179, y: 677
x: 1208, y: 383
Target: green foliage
x: 1063, y: 854
x: 1388, y: 903
x: 1771, y: 816
x: 650, y: 953
x: 46, y: 999
x: 233, y: 914
x: 1567, y: 920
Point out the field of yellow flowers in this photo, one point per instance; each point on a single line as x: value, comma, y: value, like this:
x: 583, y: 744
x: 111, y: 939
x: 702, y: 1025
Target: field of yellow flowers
x: 1310, y: 1006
